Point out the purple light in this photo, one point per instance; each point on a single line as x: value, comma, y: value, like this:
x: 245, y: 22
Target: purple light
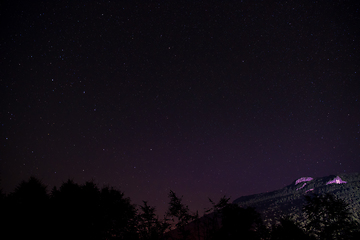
x: 301, y: 186
x: 336, y: 180
x: 303, y: 179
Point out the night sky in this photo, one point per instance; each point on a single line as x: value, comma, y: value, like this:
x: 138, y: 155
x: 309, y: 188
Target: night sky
x: 205, y: 98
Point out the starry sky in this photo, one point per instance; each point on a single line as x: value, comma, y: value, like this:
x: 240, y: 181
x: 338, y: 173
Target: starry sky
x: 205, y: 98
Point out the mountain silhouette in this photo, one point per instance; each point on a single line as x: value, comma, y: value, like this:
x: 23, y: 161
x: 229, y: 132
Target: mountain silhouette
x: 289, y: 201
x: 281, y: 213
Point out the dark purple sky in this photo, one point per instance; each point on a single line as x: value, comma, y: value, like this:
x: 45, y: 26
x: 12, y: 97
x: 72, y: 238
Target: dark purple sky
x: 206, y: 98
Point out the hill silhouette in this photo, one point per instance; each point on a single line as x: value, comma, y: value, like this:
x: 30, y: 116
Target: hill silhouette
x: 289, y: 200
x: 308, y: 208
x: 282, y: 211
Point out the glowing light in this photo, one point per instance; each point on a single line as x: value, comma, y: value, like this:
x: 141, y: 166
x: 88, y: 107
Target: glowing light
x: 336, y: 180
x: 303, y: 179
x: 301, y: 186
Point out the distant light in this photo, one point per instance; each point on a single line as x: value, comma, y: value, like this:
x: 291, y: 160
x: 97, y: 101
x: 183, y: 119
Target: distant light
x: 303, y: 179
x: 336, y: 180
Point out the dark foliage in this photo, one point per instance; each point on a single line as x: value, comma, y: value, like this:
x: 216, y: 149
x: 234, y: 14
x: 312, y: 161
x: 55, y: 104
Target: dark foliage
x: 212, y: 220
x: 149, y: 226
x: 288, y: 230
x: 290, y: 199
x: 71, y: 212
x: 240, y: 223
x: 91, y: 213
x: 25, y: 212
x: 329, y: 218
x: 86, y: 212
x: 180, y: 214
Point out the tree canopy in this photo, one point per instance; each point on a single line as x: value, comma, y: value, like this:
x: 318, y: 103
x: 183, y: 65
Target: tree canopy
x: 85, y: 211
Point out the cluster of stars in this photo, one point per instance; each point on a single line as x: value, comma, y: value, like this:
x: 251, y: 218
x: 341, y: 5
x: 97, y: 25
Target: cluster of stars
x: 203, y: 99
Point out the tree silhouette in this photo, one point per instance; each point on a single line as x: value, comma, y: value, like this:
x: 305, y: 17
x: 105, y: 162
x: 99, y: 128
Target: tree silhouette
x: 288, y: 230
x: 328, y: 217
x: 30, y: 193
x: 85, y: 212
x: 118, y: 215
x: 149, y: 226
x: 2, y: 194
x: 213, y: 218
x: 71, y: 212
x: 26, y: 211
x: 240, y: 223
x: 182, y: 214
x: 67, y: 211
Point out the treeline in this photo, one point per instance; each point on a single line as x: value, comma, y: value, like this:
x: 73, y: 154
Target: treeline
x: 75, y: 211
x: 86, y: 211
